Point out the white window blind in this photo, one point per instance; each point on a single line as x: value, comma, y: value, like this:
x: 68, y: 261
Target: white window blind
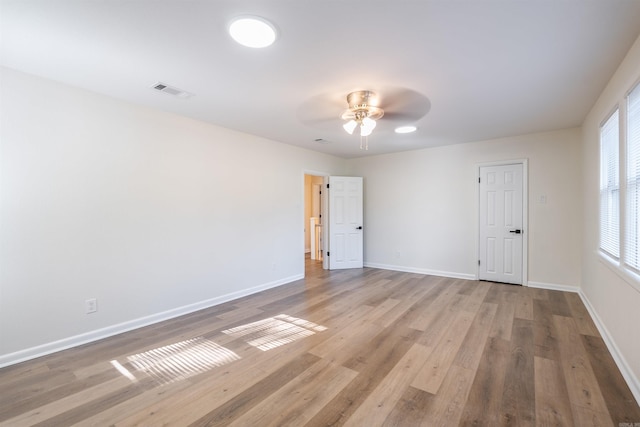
x: 632, y: 219
x: 610, y: 186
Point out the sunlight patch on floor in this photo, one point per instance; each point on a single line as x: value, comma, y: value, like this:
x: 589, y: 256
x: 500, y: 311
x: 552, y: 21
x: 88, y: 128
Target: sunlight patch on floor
x: 178, y: 361
x: 274, y: 331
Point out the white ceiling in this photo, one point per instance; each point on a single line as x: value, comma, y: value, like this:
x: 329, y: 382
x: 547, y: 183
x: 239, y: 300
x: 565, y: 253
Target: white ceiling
x: 479, y: 69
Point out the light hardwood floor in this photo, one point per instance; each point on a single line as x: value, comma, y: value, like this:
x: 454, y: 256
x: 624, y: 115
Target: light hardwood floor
x: 356, y: 348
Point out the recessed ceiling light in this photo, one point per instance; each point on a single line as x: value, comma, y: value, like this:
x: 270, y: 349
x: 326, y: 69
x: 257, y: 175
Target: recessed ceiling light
x: 406, y: 129
x: 252, y: 31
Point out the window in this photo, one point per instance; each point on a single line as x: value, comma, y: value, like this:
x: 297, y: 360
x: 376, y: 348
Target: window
x: 620, y: 188
x: 610, y: 186
x: 632, y: 201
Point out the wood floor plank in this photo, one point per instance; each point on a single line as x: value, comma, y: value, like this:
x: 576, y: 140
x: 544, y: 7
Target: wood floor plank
x: 92, y: 370
x: 410, y: 409
x: 524, y: 305
x: 539, y: 294
x: 476, y: 296
x: 320, y: 299
x: 299, y: 400
x: 80, y: 412
x: 551, y: 398
x: 545, y: 335
x: 617, y: 395
x: 413, y: 313
x: 587, y: 403
x: 470, y: 351
x: 49, y: 392
x: 373, y: 363
x: 493, y: 294
x: 419, y: 408
x: 216, y: 392
x: 57, y: 407
x: 579, y: 312
x: 485, y: 397
x: 117, y: 412
x: 438, y: 305
x: 401, y: 308
x: 503, y: 320
x: 443, y: 320
x: 518, y: 396
x: 346, y: 350
x: 558, y: 303
x: 386, y: 395
x: 430, y: 377
x: 340, y: 346
x: 13, y: 377
x: 446, y: 407
x: 241, y: 314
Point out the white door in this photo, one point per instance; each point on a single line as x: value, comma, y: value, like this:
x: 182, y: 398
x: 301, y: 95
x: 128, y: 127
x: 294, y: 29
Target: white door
x: 501, y: 207
x: 345, y: 222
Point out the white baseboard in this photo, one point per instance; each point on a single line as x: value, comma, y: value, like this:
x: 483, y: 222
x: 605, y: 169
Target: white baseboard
x: 553, y: 286
x: 421, y: 271
x: 98, y: 334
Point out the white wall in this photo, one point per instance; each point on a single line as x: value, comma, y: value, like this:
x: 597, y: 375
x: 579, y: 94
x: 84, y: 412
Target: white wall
x: 149, y: 212
x: 615, y: 301
x: 421, y: 206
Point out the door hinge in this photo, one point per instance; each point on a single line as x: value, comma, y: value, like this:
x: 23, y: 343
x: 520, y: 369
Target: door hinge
x: 478, y: 262
x: 327, y: 185
x: 478, y: 180
x: 328, y: 253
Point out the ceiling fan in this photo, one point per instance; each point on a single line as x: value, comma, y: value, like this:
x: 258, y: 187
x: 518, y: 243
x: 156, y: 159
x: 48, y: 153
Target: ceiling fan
x: 396, y: 106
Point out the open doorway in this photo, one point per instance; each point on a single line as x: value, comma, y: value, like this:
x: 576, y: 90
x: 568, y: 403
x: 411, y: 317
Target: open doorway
x: 333, y: 222
x: 314, y: 249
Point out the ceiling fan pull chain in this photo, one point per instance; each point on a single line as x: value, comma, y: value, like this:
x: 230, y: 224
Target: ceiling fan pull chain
x: 364, y: 143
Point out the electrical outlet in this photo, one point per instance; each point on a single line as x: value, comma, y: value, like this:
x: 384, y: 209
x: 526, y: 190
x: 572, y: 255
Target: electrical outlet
x: 91, y: 305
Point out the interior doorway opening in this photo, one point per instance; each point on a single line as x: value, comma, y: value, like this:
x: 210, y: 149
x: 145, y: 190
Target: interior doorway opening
x: 314, y: 241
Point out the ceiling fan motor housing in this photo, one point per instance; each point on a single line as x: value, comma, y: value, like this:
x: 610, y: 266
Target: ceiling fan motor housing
x: 362, y: 104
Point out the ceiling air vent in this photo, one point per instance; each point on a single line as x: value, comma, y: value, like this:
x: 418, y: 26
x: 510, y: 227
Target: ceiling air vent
x: 170, y: 90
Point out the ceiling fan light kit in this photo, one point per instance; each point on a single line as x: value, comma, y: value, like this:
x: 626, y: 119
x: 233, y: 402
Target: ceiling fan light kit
x: 350, y: 126
x: 368, y: 125
x: 362, y: 112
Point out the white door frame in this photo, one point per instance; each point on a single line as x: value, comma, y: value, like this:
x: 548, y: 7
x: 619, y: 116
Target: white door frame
x: 525, y: 213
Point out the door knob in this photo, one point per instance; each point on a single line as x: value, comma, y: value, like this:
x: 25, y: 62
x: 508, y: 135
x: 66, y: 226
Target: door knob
x: 515, y: 231
x: 359, y: 228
